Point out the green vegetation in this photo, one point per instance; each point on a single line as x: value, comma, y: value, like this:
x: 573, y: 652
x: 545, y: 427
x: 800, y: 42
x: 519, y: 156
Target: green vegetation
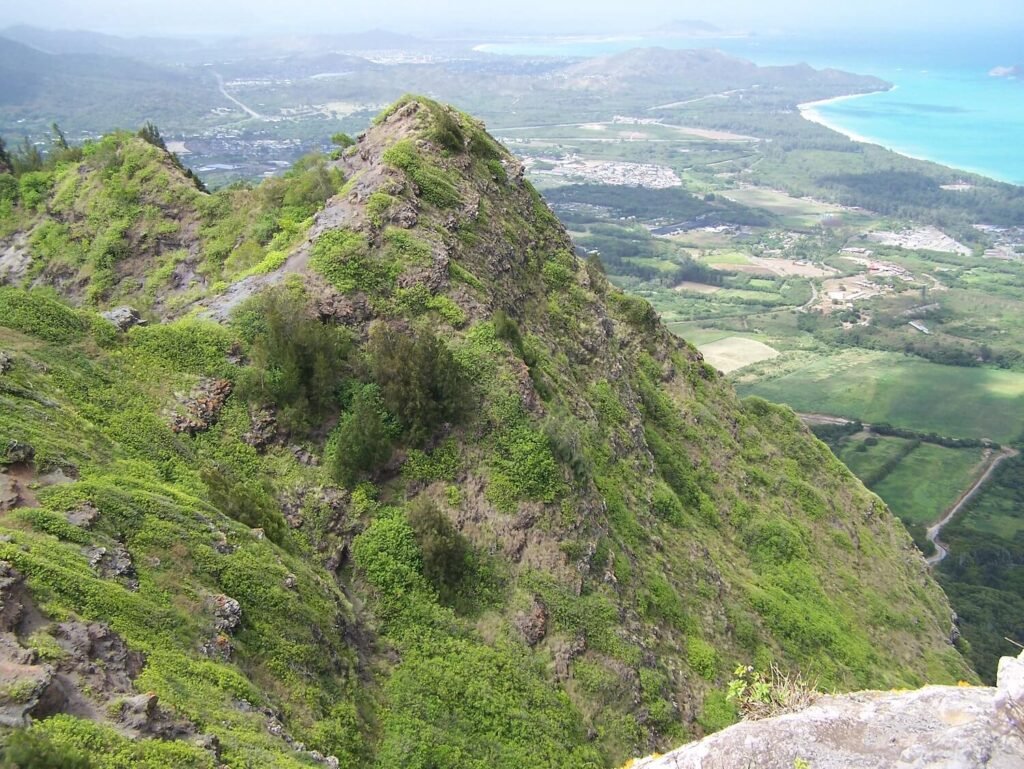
x: 433, y: 184
x: 521, y: 539
x: 420, y: 381
x: 297, y: 361
x: 883, y: 387
x: 983, y: 574
x: 928, y: 481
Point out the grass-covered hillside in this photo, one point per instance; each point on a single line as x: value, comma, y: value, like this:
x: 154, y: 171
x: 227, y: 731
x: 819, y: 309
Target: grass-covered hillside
x: 392, y: 476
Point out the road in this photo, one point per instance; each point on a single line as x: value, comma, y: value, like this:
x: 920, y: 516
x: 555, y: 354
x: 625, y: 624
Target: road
x: 229, y: 97
x: 941, y: 551
x: 993, y: 459
x: 810, y: 302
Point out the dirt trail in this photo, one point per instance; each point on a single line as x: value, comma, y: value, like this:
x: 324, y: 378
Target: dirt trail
x: 941, y: 551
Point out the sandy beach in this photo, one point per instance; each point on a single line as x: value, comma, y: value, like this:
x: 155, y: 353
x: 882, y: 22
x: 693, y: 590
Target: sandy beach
x: 809, y: 111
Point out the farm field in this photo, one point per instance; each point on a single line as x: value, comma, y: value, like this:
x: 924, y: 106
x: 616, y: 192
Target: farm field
x: 735, y: 352
x: 779, y: 202
x: 928, y: 481
x: 898, y: 389
x: 867, y: 458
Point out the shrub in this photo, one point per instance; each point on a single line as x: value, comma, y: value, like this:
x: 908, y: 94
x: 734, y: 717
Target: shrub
x: 444, y: 550
x: 379, y: 206
x: 389, y: 556
x: 718, y: 712
x: 447, y: 132
x: 666, y: 505
x: 558, y: 271
x: 34, y: 187
x: 635, y: 311
x: 248, y: 502
x: 298, y: 363
x: 440, y: 464
x: 457, y: 701
x: 702, y: 657
x: 35, y: 312
x: 32, y: 749
x: 523, y: 468
x: 420, y: 381
x: 195, y: 346
x: 402, y: 244
x: 759, y: 694
x: 343, y: 258
x: 362, y: 440
x: 434, y: 185
x: 776, y: 541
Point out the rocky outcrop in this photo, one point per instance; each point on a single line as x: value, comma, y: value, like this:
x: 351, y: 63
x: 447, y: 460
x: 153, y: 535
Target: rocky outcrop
x: 124, y: 317
x: 954, y: 727
x: 201, y: 407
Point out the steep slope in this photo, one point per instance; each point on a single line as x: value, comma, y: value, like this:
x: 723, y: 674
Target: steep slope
x: 416, y: 487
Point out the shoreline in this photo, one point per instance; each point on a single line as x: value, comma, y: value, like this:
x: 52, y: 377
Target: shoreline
x: 809, y: 111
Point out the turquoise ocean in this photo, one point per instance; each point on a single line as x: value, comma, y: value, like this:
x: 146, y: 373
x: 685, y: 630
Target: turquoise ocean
x: 945, y: 106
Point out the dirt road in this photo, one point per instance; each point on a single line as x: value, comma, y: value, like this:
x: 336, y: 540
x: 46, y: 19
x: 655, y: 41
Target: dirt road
x: 994, y: 459
x: 941, y: 551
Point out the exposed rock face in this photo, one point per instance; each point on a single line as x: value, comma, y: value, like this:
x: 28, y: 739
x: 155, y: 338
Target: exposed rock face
x: 17, y: 453
x: 954, y: 727
x: 534, y: 624
x: 201, y: 407
x: 228, y: 614
x: 124, y: 318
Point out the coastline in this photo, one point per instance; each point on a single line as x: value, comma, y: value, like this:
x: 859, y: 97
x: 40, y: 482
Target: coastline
x: 809, y: 111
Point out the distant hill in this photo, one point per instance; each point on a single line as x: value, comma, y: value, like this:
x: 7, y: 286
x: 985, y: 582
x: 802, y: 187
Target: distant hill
x: 96, y: 93
x: 687, y: 28
x: 703, y: 71
x: 78, y: 41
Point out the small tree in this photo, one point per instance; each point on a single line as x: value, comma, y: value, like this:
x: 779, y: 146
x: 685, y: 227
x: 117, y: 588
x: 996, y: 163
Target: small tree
x: 32, y: 749
x: 445, y: 551
x: 298, y: 361
x: 151, y: 134
x: 27, y: 158
x: 342, y: 140
x: 420, y: 381
x: 6, y: 164
x: 248, y: 502
x: 60, y: 141
x: 362, y: 441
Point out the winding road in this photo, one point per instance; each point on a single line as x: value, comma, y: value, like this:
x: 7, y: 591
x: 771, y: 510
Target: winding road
x: 993, y: 460
x: 941, y: 551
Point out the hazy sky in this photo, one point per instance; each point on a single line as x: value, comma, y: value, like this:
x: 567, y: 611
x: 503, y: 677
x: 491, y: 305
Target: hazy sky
x: 508, y: 16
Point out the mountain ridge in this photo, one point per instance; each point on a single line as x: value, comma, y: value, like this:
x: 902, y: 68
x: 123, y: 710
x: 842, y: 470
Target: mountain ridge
x: 485, y: 482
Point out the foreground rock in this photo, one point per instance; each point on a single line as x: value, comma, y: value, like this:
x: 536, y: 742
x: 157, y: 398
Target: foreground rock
x: 954, y: 727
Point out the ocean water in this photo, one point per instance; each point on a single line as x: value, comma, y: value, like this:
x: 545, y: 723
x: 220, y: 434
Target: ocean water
x: 945, y: 106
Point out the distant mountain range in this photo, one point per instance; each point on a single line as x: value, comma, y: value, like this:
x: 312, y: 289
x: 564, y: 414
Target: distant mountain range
x: 195, y: 51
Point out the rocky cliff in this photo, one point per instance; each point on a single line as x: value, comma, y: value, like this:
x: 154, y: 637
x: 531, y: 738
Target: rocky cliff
x: 955, y: 727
